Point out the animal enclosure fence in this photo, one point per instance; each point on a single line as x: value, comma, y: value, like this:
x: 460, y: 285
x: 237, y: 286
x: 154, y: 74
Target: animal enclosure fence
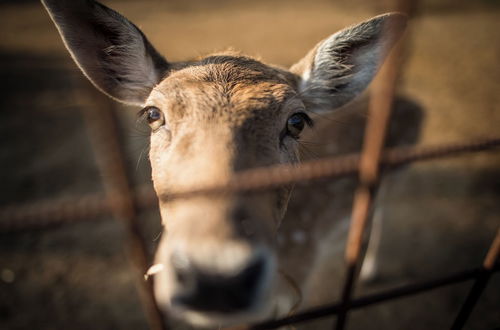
x: 123, y: 201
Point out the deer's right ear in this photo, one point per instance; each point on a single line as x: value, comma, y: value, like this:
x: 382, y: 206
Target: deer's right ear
x: 110, y: 50
x: 340, y: 67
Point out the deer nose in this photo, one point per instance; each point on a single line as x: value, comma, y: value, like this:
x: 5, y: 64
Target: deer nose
x: 204, y: 291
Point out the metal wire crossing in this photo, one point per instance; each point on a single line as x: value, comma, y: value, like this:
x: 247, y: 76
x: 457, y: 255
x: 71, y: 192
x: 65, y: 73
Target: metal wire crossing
x: 52, y: 212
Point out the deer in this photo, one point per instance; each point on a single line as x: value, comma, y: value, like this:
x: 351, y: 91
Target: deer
x: 210, y: 118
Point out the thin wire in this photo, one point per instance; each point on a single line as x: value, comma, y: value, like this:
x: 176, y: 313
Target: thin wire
x: 89, y: 207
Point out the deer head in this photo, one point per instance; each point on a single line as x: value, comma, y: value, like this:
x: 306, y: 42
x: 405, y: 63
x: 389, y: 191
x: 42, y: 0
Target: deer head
x: 210, y: 118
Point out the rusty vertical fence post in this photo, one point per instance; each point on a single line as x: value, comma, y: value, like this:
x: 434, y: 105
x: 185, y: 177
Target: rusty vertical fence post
x: 103, y: 130
x: 479, y: 285
x: 378, y: 118
x: 379, y: 112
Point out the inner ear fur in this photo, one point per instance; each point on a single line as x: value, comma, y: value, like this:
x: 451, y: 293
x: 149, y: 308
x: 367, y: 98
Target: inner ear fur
x: 340, y: 67
x: 110, y: 50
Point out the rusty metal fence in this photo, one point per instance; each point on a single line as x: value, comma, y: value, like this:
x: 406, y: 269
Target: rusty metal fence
x: 123, y: 202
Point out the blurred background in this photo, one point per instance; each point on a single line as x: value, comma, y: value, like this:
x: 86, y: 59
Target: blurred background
x: 440, y: 216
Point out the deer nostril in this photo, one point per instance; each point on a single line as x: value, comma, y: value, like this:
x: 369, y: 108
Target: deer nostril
x: 216, y: 292
x: 250, y: 277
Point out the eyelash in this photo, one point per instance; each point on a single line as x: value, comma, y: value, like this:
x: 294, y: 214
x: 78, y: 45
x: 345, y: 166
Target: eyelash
x: 309, y: 122
x: 142, y: 113
x: 285, y: 132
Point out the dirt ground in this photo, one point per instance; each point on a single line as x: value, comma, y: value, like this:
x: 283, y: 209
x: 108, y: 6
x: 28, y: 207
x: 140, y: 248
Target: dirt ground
x: 439, y: 216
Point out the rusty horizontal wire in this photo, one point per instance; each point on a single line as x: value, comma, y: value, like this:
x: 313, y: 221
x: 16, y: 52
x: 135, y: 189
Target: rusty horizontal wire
x: 375, y: 298
x: 51, y: 212
x: 331, y: 167
x: 54, y: 212
x: 57, y: 211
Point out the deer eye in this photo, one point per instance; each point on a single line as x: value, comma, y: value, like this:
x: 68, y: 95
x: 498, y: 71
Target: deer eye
x: 154, y: 117
x: 296, y: 124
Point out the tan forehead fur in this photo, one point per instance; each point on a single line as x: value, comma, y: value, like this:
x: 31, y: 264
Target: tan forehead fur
x: 223, y: 85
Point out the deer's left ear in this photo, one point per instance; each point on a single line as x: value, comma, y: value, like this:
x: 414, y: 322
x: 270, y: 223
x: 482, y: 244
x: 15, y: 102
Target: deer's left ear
x: 110, y: 50
x: 341, y: 66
